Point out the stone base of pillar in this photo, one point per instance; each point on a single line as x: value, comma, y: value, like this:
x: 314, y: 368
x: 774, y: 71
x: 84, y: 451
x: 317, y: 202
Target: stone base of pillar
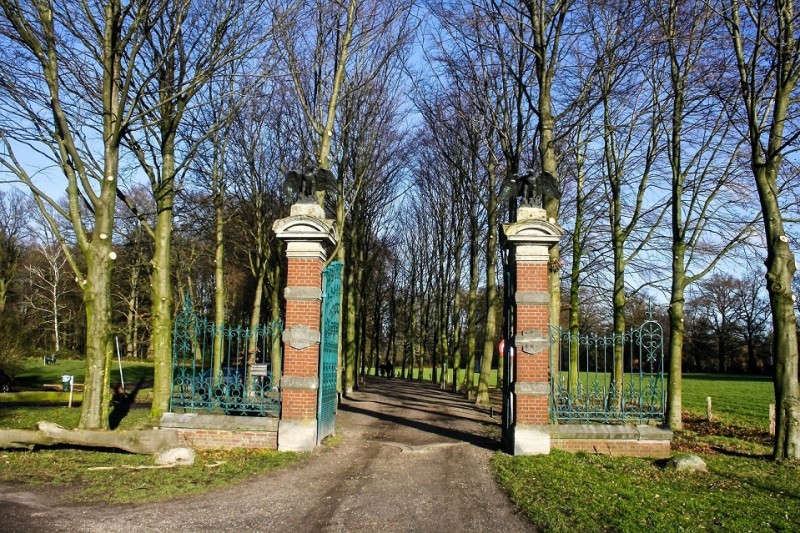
x: 531, y: 439
x: 297, y: 435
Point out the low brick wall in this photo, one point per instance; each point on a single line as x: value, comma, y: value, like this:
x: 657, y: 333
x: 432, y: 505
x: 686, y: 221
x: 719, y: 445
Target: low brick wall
x: 634, y: 441
x: 221, y: 432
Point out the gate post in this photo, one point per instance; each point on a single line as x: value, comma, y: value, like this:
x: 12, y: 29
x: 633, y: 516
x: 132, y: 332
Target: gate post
x: 529, y: 240
x: 307, y: 234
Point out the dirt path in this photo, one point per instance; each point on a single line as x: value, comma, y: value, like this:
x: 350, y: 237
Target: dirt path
x: 412, y: 459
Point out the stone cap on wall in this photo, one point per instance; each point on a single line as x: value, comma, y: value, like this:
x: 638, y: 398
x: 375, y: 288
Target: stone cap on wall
x: 218, y: 422
x: 304, y: 228
x: 642, y: 432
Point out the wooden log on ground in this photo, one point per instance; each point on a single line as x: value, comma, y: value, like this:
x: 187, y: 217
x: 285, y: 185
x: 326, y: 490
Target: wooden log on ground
x: 145, y: 441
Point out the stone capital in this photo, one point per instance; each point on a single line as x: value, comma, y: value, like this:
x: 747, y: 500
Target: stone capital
x: 532, y: 230
x: 306, y: 232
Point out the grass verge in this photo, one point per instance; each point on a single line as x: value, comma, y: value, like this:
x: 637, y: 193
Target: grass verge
x: 565, y: 492
x: 742, y: 491
x: 68, y: 471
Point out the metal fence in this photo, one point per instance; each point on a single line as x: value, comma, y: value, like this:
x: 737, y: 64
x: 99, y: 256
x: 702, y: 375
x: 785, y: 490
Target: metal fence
x: 593, y: 382
x: 238, y: 381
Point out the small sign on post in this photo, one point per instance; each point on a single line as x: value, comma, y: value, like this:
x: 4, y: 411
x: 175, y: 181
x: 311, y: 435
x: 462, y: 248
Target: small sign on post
x: 67, y: 383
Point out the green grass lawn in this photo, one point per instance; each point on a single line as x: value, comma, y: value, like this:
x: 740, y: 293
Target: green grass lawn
x: 72, y: 471
x: 736, y: 400
x: 562, y: 492
x: 35, y: 374
x: 40, y: 384
x: 742, y: 491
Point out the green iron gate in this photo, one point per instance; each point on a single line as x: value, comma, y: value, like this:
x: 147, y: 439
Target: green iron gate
x: 584, y: 389
x: 240, y: 381
x: 329, y: 349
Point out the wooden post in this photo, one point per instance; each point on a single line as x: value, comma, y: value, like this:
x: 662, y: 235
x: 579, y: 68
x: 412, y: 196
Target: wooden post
x: 772, y: 419
x: 709, y: 416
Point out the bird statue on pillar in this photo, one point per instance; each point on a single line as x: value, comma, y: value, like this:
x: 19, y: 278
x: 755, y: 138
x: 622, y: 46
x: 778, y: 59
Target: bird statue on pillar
x: 534, y: 189
x: 306, y: 184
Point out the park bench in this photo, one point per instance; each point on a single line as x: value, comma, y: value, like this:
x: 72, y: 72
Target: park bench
x: 50, y: 359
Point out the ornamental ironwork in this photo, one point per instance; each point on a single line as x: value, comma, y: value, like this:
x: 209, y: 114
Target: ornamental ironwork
x: 329, y: 349
x: 236, y: 378
x: 609, y: 379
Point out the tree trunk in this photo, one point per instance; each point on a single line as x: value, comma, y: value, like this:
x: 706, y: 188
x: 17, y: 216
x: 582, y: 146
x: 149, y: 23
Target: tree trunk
x: 276, y: 355
x: 472, y: 308
x: 99, y: 345
x: 781, y: 267
x: 162, y: 303
x: 574, y: 279
x: 676, y: 335
x: 482, y: 397
x: 162, y: 291
x: 350, y: 332
x: 255, y: 322
x: 146, y: 442
x: 219, y: 274
x: 457, y: 257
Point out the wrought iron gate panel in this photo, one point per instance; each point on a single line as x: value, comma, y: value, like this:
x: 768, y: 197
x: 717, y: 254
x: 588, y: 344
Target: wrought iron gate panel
x: 329, y: 349
x: 584, y: 389
x: 243, y: 383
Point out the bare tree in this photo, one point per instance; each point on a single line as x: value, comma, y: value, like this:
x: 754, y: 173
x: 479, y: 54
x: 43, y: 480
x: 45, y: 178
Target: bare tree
x: 260, y: 150
x: 628, y: 86
x: 15, y: 208
x: 189, y: 43
x: 47, y: 280
x: 707, y: 215
x: 753, y: 316
x: 333, y: 52
x: 764, y: 41
x: 65, y: 94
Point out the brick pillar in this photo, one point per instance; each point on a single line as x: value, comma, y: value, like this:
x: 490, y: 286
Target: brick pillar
x: 307, y: 235
x: 530, y: 239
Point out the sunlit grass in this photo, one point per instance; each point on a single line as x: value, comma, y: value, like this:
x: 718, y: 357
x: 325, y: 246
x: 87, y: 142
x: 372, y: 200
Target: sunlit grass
x: 75, y: 471
x: 742, y: 491
x: 587, y: 493
x: 737, y: 400
x: 72, y: 469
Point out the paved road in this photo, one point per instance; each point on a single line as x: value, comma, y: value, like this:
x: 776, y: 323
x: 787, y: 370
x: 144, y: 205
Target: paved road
x: 413, y: 458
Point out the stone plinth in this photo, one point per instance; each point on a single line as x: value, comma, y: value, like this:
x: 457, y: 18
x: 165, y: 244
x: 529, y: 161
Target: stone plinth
x: 531, y: 238
x: 308, y: 235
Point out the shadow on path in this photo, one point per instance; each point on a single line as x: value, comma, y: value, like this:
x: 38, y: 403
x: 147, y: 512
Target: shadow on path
x: 440, y: 413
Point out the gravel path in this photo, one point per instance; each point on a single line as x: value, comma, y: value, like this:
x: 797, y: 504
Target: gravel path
x: 413, y: 458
